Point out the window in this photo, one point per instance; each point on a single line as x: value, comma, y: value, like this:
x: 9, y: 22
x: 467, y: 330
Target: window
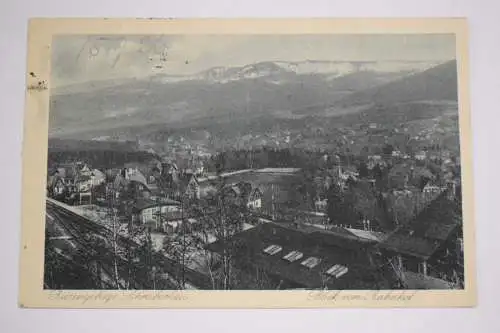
x: 273, y: 249
x: 293, y: 256
x: 337, y: 271
x: 311, y: 262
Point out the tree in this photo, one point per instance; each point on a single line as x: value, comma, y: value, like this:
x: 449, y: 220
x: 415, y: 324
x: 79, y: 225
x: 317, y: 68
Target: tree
x: 182, y: 246
x: 335, y: 203
x: 403, y: 208
x: 306, y: 186
x: 363, y: 170
x: 222, y: 218
x: 388, y: 149
x: 422, y: 182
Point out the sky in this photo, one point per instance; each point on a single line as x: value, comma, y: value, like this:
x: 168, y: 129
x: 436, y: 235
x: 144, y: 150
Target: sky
x: 77, y: 59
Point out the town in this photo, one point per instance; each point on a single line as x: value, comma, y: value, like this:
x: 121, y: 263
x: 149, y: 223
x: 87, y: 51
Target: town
x: 269, y: 216
x: 265, y: 173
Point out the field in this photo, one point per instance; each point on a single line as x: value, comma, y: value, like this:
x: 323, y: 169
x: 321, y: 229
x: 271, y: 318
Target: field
x: 280, y: 188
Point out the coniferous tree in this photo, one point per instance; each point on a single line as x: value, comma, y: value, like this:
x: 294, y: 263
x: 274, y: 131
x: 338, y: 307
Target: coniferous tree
x: 335, y: 205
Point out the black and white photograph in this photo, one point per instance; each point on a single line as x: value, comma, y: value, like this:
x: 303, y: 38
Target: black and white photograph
x: 253, y: 162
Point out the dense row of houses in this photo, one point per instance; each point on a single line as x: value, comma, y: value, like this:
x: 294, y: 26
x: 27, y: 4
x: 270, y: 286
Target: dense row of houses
x: 425, y: 253
x: 157, y: 200
x: 74, y: 182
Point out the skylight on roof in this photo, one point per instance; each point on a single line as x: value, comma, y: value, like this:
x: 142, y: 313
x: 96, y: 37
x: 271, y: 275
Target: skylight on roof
x: 337, y: 271
x: 273, y: 249
x: 311, y: 262
x: 293, y: 256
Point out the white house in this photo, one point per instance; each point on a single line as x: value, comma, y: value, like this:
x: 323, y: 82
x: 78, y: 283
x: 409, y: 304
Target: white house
x: 254, y: 200
x: 151, y: 211
x: 432, y: 189
x: 396, y: 153
x: 97, y: 177
x: 154, y: 213
x: 421, y: 155
x: 320, y: 204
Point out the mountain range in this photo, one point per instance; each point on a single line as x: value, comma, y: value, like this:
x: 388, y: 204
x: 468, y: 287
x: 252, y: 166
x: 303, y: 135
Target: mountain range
x: 272, y: 90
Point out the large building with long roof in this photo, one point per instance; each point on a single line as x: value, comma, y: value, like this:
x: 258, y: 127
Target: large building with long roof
x: 431, y: 245
x: 307, y: 258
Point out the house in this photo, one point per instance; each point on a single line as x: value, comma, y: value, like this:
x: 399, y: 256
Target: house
x: 305, y: 258
x: 56, y: 187
x: 120, y: 182
x: 142, y: 167
x: 73, y: 183
x: 254, y: 199
x: 83, y: 169
x: 345, y: 176
x: 83, y: 184
x: 70, y: 172
x: 137, y: 176
x: 147, y: 211
x: 396, y: 153
x: 97, y: 177
x: 374, y: 160
x: 199, y: 168
x: 430, y: 245
x: 130, y: 186
x: 244, y: 193
x: 67, y: 171
x: 185, y: 186
x: 320, y: 204
x: 422, y: 155
x: 176, y: 225
x: 189, y: 186
x: 166, y: 172
x: 430, y: 188
x: 168, y: 167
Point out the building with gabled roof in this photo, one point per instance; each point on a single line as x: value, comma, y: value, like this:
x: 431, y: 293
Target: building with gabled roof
x: 148, y: 211
x: 431, y: 243
x: 244, y: 193
x: 307, y: 258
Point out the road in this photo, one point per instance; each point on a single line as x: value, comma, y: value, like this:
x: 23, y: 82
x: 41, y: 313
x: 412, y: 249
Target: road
x: 74, y: 236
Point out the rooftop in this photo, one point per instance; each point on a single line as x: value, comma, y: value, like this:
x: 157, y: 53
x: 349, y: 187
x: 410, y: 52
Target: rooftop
x: 427, y: 232
x: 310, y: 259
x: 144, y: 203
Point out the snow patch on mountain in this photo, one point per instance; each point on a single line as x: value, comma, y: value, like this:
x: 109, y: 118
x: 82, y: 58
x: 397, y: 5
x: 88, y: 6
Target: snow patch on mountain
x: 278, y: 71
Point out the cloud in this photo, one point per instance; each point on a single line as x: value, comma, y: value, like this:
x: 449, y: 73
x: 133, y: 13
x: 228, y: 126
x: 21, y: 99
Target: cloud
x: 87, y: 58
x: 80, y: 59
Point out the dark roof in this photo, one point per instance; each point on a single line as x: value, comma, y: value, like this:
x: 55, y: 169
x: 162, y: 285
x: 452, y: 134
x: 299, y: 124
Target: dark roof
x: 426, y: 233
x: 119, y: 182
x: 168, y: 165
x: 83, y: 178
x: 255, y: 191
x: 144, y: 203
x: 184, y: 181
x: 139, y: 177
x: 328, y: 247
x: 243, y: 190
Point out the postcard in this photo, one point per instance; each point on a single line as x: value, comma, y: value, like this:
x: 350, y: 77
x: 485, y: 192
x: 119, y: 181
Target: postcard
x: 247, y: 163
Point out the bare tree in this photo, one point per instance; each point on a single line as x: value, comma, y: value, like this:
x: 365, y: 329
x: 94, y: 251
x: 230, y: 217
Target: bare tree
x: 221, y: 217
